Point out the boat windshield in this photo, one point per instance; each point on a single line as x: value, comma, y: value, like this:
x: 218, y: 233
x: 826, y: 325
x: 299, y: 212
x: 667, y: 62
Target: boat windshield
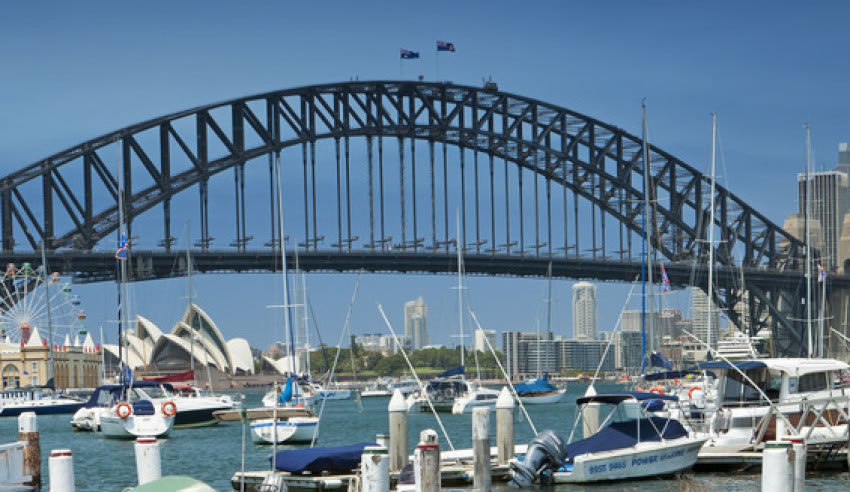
x: 738, y: 392
x: 151, y: 392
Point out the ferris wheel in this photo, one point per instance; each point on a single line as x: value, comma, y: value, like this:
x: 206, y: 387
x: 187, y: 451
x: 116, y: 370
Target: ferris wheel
x: 26, y: 295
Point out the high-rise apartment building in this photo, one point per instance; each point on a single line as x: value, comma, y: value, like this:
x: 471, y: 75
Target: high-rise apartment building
x: 525, y: 352
x: 416, y: 323
x: 585, y: 325
x: 481, y: 339
x: 700, y: 313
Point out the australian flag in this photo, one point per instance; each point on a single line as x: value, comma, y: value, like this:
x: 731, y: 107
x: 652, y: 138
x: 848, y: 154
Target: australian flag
x: 445, y: 46
x: 409, y: 55
x: 123, y: 248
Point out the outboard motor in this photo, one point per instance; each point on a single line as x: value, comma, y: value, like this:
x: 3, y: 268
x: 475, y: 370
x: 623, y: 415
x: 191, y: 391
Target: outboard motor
x: 546, y: 453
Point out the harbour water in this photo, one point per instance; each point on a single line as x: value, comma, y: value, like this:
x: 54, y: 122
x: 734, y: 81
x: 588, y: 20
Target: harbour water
x: 213, y: 454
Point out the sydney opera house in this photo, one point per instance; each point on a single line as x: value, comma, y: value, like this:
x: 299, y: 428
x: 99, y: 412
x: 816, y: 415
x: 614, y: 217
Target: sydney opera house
x: 194, y: 336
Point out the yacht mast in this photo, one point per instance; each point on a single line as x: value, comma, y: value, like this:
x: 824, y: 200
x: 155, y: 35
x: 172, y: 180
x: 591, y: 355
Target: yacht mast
x: 51, y: 364
x: 808, y: 245
x: 644, y: 243
x: 549, y: 313
x: 460, y: 289
x: 711, y: 226
x: 191, y: 328
x: 287, y: 319
x: 122, y: 263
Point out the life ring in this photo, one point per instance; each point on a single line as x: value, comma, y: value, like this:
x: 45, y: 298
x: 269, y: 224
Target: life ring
x: 692, y: 389
x: 123, y: 410
x: 656, y: 389
x: 169, y: 408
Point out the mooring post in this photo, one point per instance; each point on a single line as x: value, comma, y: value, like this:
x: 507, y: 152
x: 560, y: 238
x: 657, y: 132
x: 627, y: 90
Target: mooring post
x: 398, y: 432
x: 777, y: 467
x: 798, y: 444
x: 505, y: 426
x: 375, y: 469
x: 60, y: 469
x: 148, y: 462
x: 481, y: 448
x: 28, y: 432
x: 426, y: 462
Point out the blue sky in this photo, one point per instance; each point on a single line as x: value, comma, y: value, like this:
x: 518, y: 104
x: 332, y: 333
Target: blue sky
x: 72, y: 71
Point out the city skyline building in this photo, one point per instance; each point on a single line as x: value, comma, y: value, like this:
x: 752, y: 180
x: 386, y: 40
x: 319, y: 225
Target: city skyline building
x: 585, y: 324
x: 416, y: 323
x: 700, y: 314
x: 482, y: 337
x: 522, y: 350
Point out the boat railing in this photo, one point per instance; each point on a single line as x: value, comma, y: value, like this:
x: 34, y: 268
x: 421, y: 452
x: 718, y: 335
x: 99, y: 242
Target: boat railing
x: 12, y: 463
x: 820, y: 413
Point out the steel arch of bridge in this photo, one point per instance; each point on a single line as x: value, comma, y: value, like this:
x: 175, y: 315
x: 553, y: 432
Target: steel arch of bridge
x: 597, y: 163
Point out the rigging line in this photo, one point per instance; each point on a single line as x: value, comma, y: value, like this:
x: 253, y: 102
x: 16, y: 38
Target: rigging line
x: 616, y: 327
x: 338, y: 350
x: 318, y: 333
x: 416, y: 376
x: 504, y: 373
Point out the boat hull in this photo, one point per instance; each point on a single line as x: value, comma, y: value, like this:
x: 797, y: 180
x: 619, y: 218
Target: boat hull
x: 646, y: 459
x: 374, y: 394
x: 40, y: 409
x: 293, y: 430
x: 134, y: 426
x: 334, y: 394
x: 548, y: 398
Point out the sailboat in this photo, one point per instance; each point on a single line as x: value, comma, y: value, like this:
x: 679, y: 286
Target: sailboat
x: 130, y: 417
x: 539, y: 391
x: 284, y: 424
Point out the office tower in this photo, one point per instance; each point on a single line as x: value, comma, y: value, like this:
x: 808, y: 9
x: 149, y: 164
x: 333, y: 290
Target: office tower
x: 524, y: 349
x: 416, y: 323
x: 585, y: 325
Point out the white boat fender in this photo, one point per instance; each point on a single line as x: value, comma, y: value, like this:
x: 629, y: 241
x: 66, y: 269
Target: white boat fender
x: 546, y: 453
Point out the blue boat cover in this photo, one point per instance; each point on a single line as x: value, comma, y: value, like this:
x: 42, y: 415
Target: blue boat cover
x: 624, y: 434
x: 457, y: 371
x: 286, y: 395
x: 316, y: 460
x: 669, y: 375
x: 743, y: 365
x: 540, y: 385
x: 617, y: 398
x: 657, y: 359
x: 652, y: 405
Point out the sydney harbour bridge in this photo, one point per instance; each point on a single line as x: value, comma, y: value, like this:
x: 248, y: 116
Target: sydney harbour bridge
x: 374, y: 175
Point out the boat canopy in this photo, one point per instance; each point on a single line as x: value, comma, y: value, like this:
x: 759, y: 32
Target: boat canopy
x: 617, y: 398
x: 657, y: 359
x: 743, y: 365
x: 321, y: 459
x: 625, y: 434
x: 457, y: 371
x: 116, y: 391
x: 540, y: 385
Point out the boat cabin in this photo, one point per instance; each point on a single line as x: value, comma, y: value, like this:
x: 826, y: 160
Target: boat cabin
x: 781, y: 380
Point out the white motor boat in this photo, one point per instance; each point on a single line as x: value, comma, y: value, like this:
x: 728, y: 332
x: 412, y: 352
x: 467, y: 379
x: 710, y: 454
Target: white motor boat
x: 375, y: 391
x: 335, y: 394
x: 283, y: 430
x: 480, y: 396
x: 442, y: 392
x: 636, y: 446
x: 102, y: 401
x: 195, y: 407
x: 141, y: 418
x: 37, y: 400
x: 809, y: 393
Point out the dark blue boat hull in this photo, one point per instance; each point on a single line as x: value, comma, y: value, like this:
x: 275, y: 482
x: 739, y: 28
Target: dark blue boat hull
x: 41, y: 410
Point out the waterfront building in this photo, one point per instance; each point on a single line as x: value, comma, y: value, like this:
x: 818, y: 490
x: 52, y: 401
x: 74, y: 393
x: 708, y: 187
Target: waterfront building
x: 700, y: 310
x: 628, y: 350
x: 416, y: 323
x: 481, y: 339
x: 195, y: 335
x: 584, y: 355
x: 525, y: 351
x: 76, y: 364
x: 585, y: 325
x: 376, y: 342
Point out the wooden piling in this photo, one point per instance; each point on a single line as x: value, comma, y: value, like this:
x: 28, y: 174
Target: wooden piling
x: 28, y: 432
x: 398, y: 432
x: 426, y: 462
x: 481, y: 449
x: 505, y: 426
